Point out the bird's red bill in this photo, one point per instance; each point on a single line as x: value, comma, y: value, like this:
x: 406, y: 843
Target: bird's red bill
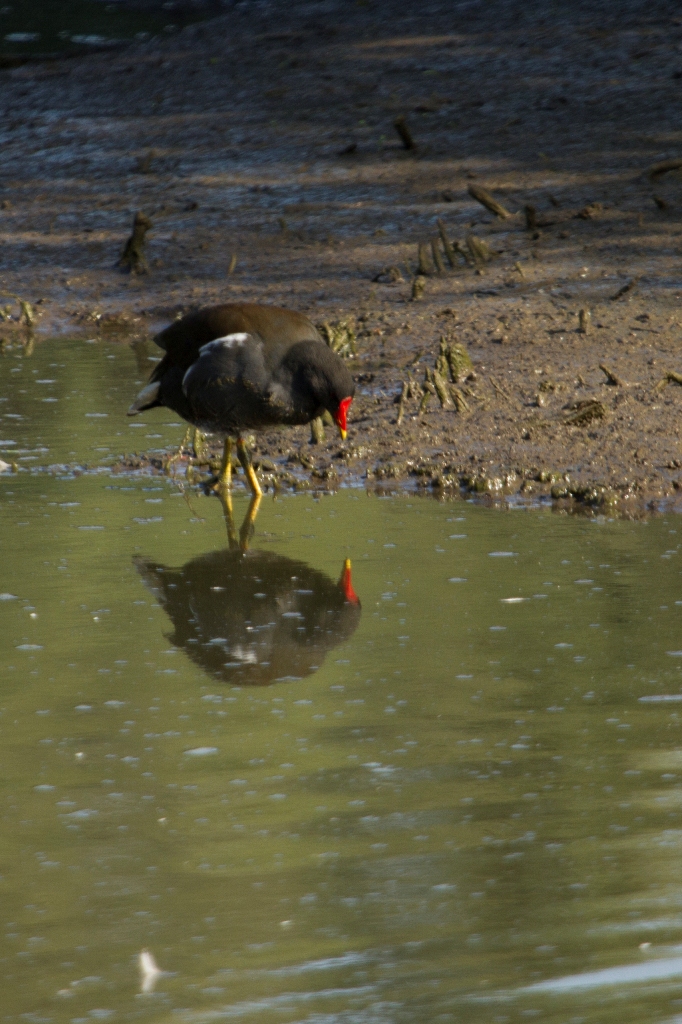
x: 346, y: 585
x: 342, y: 414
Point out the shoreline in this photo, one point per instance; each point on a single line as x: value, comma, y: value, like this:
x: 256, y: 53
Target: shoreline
x: 264, y: 140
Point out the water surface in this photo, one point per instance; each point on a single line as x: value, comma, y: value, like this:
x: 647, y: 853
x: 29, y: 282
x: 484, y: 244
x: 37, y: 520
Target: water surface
x: 455, y: 797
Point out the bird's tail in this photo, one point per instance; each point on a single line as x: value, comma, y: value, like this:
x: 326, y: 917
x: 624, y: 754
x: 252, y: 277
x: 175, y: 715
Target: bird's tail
x: 148, y: 398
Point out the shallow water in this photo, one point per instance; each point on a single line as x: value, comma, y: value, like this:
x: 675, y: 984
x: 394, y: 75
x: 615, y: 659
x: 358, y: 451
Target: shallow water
x: 72, y: 26
x: 456, y: 799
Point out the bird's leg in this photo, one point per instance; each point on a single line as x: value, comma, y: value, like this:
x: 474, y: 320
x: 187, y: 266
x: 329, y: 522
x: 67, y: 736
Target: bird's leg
x: 224, y: 481
x: 249, y: 472
x: 198, y: 444
x: 248, y: 526
x: 226, y: 501
x: 178, y: 455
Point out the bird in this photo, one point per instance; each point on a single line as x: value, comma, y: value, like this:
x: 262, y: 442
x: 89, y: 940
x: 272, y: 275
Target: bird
x: 243, y: 366
x: 254, y: 618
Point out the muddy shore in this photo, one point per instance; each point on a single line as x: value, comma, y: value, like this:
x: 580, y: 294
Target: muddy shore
x: 262, y: 146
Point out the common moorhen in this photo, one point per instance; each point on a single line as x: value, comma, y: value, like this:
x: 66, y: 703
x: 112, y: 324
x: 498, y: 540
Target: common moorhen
x: 240, y: 367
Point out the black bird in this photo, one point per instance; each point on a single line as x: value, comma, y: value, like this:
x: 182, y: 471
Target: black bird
x: 256, y: 618
x: 240, y: 367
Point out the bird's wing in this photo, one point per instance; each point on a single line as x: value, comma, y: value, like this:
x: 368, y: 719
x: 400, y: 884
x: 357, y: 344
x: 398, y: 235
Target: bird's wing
x: 227, y: 384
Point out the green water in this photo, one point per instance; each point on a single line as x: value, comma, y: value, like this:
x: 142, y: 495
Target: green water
x: 458, y: 800
x: 71, y: 26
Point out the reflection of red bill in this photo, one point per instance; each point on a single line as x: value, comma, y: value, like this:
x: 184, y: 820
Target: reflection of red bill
x: 345, y: 581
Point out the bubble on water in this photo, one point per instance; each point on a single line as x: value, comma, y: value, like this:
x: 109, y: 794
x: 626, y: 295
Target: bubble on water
x: 503, y: 554
x: 44, y: 788
x: 457, y: 579
x: 30, y: 647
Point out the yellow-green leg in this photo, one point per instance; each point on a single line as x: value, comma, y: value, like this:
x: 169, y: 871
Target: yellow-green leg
x: 224, y: 481
x: 240, y: 543
x: 248, y: 526
x: 249, y: 471
x: 226, y: 502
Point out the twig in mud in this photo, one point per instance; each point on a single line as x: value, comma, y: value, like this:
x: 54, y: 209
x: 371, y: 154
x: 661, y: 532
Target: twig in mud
x: 441, y: 388
x: 459, y: 362
x: 447, y: 245
x: 132, y: 258
x: 437, y: 258
x: 418, y: 286
x: 317, y: 431
x: 423, y: 260
x: 401, y: 403
x: 400, y: 125
x: 590, y: 211
x: 482, y: 196
x: 613, y: 378
x: 26, y: 311
x: 585, y: 413
x: 340, y: 337
x: 461, y: 404
x: 670, y: 378
x: 428, y: 389
x: 627, y: 287
x: 663, y: 166
x: 233, y: 264
x: 463, y: 251
x: 389, y: 275
x: 478, y: 249
x: 531, y: 217
x: 500, y: 390
x: 584, y: 318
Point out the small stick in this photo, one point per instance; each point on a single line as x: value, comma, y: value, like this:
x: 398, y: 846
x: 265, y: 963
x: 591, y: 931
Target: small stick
x: 484, y: 197
x: 531, y: 218
x: 447, y: 245
x: 233, y: 264
x: 423, y: 260
x: 418, y: 286
x: 460, y: 401
x: 478, y: 249
x: 500, y: 390
x: 401, y: 404
x: 400, y: 125
x: 437, y: 258
x: 612, y: 377
x: 584, y: 318
x: 463, y: 251
x: 664, y: 166
x: 132, y: 256
x: 625, y: 289
x: 670, y: 378
x: 317, y: 431
x: 441, y: 388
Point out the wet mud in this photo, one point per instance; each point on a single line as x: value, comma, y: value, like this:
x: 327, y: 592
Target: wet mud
x: 499, y: 177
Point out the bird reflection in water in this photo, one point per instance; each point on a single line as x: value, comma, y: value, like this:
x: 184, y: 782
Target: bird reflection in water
x: 250, y: 617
